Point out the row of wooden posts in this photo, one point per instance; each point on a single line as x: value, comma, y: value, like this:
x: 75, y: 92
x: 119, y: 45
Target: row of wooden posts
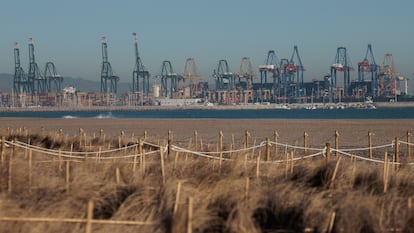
x: 82, y: 137
x: 268, y: 144
x: 305, y: 144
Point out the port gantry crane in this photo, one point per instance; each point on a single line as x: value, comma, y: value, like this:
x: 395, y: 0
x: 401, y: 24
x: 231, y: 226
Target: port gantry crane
x: 342, y: 63
x: 296, y: 67
x: 286, y: 79
x: 20, y: 84
x: 53, y: 78
x: 225, y: 84
x: 223, y: 76
x: 245, y: 76
x: 388, y: 77
x: 36, y: 82
x: 168, y: 74
x: 140, y: 73
x: 270, y: 65
x: 108, y: 90
x: 368, y: 67
x: 190, y: 73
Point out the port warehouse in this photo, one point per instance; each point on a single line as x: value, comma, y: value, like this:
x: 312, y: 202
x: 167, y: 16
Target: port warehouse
x: 277, y: 80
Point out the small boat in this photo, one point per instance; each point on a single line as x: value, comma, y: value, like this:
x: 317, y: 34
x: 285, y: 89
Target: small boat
x: 282, y: 106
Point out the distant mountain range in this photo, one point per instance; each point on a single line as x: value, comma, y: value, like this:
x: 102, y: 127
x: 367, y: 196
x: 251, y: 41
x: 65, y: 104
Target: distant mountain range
x: 6, y: 84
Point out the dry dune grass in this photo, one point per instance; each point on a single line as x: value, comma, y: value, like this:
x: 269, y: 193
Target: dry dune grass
x: 312, y: 195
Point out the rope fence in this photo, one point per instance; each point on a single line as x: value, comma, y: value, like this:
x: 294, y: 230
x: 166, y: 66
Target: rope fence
x: 205, y: 154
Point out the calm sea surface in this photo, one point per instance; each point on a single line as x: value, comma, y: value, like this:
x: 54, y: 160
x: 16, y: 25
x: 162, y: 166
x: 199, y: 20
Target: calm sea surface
x: 349, y: 113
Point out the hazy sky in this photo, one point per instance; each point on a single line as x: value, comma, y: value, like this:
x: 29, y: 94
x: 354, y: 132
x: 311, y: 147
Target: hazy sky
x: 68, y: 33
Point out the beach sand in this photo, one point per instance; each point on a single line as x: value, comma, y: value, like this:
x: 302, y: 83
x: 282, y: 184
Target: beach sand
x: 352, y: 133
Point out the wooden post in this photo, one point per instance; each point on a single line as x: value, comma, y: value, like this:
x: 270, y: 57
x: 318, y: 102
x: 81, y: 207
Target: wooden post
x: 246, y: 190
x: 331, y: 222
x: 175, y: 160
x: 30, y: 170
x: 190, y: 215
x: 267, y: 149
x: 246, y: 139
x: 220, y: 148
x: 98, y: 159
x: 117, y: 176
x: 80, y: 137
x: 370, y: 144
x: 408, y: 146
x: 60, y: 160
x: 89, y: 217
x: 233, y: 145
x: 140, y: 152
x: 162, y: 165
x: 67, y: 178
x: 245, y: 160
x: 286, y: 163
x: 3, y: 149
x: 9, y: 188
x: 328, y: 151
x: 85, y: 143
x: 334, y: 173
x: 134, y: 165
x: 276, y: 135
x: 14, y: 146
x: 169, y: 142
x: 258, y: 166
x: 397, y: 152
x: 336, y: 144
x: 143, y: 163
x: 386, y: 172
x: 195, y: 140
x: 305, y: 142
x: 190, y: 142
x: 177, y: 197
x: 145, y: 135
x: 26, y: 149
x: 140, y: 144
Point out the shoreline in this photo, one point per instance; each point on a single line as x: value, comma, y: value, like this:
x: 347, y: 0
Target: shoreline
x: 214, y: 107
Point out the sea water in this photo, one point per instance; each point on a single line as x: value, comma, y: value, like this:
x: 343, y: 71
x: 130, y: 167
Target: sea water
x: 347, y: 113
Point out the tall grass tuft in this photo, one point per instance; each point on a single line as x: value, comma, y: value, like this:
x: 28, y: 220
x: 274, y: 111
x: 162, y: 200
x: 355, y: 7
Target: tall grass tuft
x: 313, y: 195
